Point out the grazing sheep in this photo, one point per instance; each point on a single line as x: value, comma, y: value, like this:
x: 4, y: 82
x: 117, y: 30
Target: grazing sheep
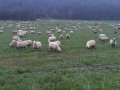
x: 32, y: 32
x: 71, y: 32
x: 50, y: 39
x: 14, y: 31
x: 113, y: 42
x: 53, y: 46
x: 94, y: 31
x: 16, y: 38
x: 1, y: 31
x: 90, y: 44
x: 22, y: 44
x: 105, y: 38
x: 67, y: 35
x: 39, y: 33
x: 58, y: 42
x: 61, y: 36
x: 29, y: 42
x: 37, y: 45
x: 102, y: 35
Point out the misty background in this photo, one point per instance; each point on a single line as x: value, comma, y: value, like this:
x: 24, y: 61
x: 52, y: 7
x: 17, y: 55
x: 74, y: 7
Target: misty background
x: 60, y: 9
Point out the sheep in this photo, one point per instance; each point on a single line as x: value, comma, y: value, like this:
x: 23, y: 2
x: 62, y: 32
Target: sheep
x: 14, y: 31
x: 16, y: 38
x: 58, y: 42
x: 113, y: 42
x: 105, y: 38
x: 1, y: 31
x: 29, y: 42
x: 71, y: 32
x: 53, y: 46
x: 61, y: 36
x: 22, y: 44
x: 90, y: 44
x: 67, y: 35
x: 37, y: 44
x: 32, y: 32
x: 39, y: 33
x: 53, y: 38
x: 94, y: 31
x: 102, y: 35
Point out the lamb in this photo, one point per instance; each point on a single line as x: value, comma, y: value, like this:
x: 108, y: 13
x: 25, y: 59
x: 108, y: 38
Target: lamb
x: 113, y: 42
x: 53, y: 46
x: 90, y: 44
x: 37, y: 44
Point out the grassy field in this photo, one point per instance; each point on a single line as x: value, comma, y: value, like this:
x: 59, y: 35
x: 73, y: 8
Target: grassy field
x: 75, y: 68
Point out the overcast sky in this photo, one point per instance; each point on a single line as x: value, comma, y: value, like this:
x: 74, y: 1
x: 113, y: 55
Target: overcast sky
x: 67, y: 9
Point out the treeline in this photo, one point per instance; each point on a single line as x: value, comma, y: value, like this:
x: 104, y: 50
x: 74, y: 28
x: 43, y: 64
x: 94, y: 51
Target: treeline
x: 59, y: 9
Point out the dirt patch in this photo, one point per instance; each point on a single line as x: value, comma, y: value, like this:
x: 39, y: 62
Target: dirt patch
x: 95, y: 68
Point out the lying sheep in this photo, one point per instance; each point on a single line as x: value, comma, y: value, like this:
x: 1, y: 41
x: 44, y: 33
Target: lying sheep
x: 113, y: 42
x: 53, y: 46
x: 90, y: 44
x: 37, y: 45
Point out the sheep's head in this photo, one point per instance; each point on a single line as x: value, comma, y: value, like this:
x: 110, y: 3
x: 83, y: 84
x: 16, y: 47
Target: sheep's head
x: 114, y: 39
x: 88, y: 45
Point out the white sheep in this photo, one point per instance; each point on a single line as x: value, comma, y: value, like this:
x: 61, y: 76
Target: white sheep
x: 102, y: 35
x: 67, y: 35
x: 58, y: 42
x: 113, y: 42
x: 22, y: 44
x: 37, y: 45
x: 29, y: 42
x: 50, y: 39
x: 53, y: 46
x: 71, y: 32
x: 90, y: 44
x: 104, y: 38
x: 16, y: 38
x: 61, y: 36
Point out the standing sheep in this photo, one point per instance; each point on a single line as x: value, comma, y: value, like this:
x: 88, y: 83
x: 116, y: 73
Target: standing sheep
x: 90, y: 44
x: 67, y: 35
x: 22, y: 44
x: 113, y: 42
x: 37, y: 45
x: 53, y: 46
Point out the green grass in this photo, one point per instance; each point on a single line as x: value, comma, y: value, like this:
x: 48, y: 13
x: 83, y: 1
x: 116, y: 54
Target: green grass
x: 75, y: 68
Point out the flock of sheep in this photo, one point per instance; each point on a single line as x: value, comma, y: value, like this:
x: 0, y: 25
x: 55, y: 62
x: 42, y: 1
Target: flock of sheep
x: 53, y: 43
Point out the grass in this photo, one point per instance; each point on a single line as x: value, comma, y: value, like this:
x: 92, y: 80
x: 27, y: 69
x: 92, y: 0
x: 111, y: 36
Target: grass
x: 75, y: 68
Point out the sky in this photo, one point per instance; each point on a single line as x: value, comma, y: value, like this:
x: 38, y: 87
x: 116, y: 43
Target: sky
x: 60, y: 9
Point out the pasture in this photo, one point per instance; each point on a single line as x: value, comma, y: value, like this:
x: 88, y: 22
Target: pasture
x: 75, y: 68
